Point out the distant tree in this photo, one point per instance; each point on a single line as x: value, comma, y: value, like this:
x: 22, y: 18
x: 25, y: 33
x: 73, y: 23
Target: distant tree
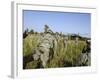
x: 31, y: 31
x: 27, y: 30
x: 25, y: 34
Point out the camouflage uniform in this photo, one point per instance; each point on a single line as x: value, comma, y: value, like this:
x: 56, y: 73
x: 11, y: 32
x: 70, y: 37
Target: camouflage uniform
x: 44, y: 47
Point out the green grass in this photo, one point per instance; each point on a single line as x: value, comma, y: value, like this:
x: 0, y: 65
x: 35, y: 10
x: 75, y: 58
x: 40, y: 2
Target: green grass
x: 68, y: 54
x: 64, y: 56
x: 30, y: 43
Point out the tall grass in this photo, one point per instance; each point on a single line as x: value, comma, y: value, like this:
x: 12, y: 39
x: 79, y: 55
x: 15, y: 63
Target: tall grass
x: 30, y: 43
x: 65, y: 54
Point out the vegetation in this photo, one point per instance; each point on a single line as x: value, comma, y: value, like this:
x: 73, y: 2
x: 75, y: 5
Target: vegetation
x: 65, y: 54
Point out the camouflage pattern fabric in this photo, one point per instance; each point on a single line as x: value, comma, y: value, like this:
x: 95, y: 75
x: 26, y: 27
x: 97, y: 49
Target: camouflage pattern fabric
x: 43, y: 49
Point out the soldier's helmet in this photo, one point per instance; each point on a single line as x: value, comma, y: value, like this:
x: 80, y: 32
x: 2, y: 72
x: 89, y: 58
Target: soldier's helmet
x: 47, y: 29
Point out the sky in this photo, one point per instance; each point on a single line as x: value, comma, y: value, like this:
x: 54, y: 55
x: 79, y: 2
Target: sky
x: 65, y: 22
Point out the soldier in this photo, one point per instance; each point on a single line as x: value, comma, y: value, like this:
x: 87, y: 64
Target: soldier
x: 45, y: 47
